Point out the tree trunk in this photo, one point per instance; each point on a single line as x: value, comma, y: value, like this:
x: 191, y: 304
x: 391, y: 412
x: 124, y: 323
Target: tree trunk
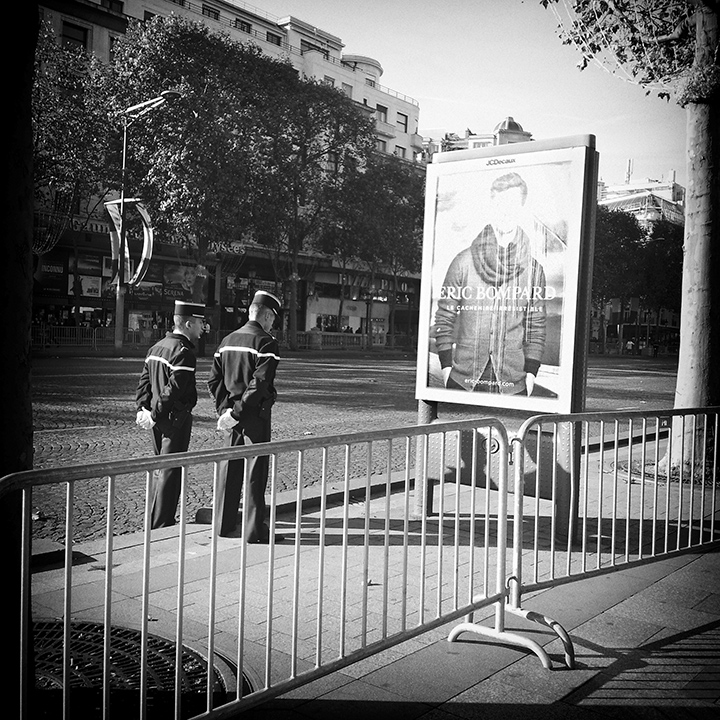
x: 292, y: 320
x: 698, y: 380
x: 16, y: 285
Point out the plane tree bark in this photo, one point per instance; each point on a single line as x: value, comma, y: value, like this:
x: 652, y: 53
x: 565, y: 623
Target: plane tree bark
x: 673, y: 47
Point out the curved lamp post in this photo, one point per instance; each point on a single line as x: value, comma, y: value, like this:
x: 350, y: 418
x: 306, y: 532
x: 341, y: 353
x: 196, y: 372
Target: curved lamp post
x: 129, y: 114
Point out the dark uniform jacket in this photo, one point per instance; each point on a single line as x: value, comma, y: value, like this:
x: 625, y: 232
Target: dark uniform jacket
x: 243, y: 372
x: 167, y: 383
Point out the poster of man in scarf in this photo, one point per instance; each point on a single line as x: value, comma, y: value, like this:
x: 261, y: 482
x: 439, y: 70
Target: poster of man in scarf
x: 505, y: 275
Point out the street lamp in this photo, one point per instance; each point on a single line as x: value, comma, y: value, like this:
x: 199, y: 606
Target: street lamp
x: 132, y: 113
x: 368, y: 295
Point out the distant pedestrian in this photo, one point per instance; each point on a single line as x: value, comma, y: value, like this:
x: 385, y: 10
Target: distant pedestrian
x: 165, y: 397
x: 242, y: 381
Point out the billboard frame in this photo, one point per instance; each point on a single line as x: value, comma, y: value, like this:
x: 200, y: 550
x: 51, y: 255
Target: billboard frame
x: 560, y: 179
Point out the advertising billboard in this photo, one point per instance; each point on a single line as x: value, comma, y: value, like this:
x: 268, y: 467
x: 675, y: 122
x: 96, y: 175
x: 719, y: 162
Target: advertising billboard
x: 505, y: 284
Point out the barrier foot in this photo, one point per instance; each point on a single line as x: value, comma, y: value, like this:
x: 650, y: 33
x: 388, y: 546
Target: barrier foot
x: 555, y: 626
x: 502, y: 636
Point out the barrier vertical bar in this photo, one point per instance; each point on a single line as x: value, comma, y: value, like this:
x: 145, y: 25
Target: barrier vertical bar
x: 67, y: 598
x: 295, y: 610
x: 366, y: 544
x: 25, y: 596
x: 240, y: 658
x: 212, y: 590
x: 643, y: 462
x: 703, y: 470
x: 486, y: 549
x: 386, y: 543
x: 473, y: 513
x: 271, y: 570
x: 681, y: 483
x: 456, y: 535
x: 554, y: 499
x: 536, y: 519
x: 440, y: 524
x: 628, y: 501
x: 321, y: 557
x: 616, y: 462
x: 182, y: 531
x: 145, y: 596
x: 406, y: 535
x: 585, y: 496
x: 423, y: 460
x: 600, y: 496
x: 107, y: 605
x: 344, y: 564
x: 518, y: 454
x: 656, y: 481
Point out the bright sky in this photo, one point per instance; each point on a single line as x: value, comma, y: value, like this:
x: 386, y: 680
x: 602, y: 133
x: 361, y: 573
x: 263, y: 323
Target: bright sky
x: 471, y: 63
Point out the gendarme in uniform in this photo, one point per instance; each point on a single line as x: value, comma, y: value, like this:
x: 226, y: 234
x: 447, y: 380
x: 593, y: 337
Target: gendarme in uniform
x: 166, y: 394
x: 242, y: 382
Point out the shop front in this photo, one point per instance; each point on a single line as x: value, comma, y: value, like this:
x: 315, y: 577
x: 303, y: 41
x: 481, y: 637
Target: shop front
x: 75, y: 287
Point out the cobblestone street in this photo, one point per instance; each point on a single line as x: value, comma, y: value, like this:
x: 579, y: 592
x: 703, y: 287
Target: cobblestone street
x: 84, y: 412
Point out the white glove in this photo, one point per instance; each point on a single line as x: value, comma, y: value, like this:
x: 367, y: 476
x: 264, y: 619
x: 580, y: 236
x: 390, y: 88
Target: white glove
x: 144, y: 419
x: 226, y: 421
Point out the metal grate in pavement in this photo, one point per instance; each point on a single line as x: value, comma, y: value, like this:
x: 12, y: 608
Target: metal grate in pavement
x: 86, y: 672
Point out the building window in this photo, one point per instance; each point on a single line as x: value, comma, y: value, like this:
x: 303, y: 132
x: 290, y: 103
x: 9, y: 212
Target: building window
x: 207, y: 11
x: 402, y: 121
x: 274, y: 39
x: 382, y: 112
x: 381, y: 146
x: 181, y: 3
x: 114, y: 5
x: 400, y: 151
x: 243, y: 26
x: 74, y: 36
x: 370, y: 82
x: 347, y: 89
x: 333, y: 161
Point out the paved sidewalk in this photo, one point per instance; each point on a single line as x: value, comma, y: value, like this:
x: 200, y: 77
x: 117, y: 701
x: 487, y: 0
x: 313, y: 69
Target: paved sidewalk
x: 647, y: 644
x: 647, y: 641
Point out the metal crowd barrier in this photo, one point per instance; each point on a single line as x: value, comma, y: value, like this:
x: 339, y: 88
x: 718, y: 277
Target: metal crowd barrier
x: 596, y: 492
x: 362, y: 572
x: 392, y: 534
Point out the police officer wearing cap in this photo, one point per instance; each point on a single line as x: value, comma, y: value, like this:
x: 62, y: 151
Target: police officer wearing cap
x: 165, y: 397
x: 242, y: 382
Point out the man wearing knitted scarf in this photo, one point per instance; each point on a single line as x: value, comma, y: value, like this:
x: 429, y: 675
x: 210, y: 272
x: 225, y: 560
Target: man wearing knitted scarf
x: 490, y: 324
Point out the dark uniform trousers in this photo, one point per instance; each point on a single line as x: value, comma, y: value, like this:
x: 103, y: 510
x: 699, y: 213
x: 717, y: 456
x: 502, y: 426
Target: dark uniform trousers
x: 167, y: 483
x: 252, y: 429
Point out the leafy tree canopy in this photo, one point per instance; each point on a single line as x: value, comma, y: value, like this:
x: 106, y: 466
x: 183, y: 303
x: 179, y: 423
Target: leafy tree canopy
x: 651, y: 42
x: 193, y: 160
x: 618, y: 248
x: 69, y: 136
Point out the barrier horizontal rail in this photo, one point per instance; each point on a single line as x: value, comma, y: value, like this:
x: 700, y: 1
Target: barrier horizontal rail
x: 362, y: 571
